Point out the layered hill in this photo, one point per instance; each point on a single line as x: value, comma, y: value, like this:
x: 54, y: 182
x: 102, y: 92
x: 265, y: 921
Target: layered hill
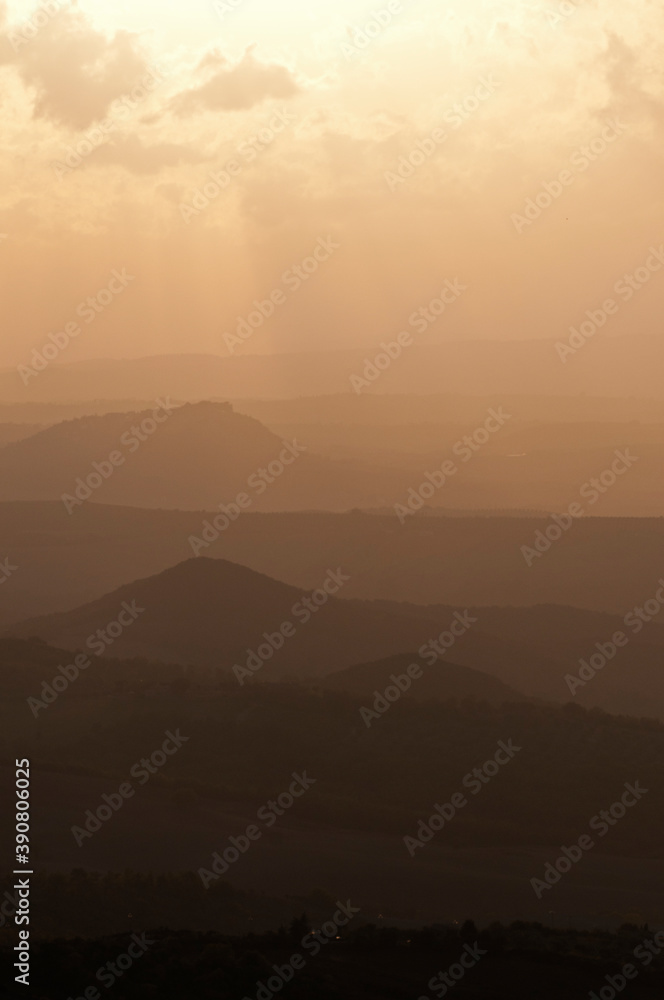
x: 441, y: 681
x: 561, y: 654
x: 216, y: 615
x: 196, y: 456
x: 389, y: 410
x: 226, y: 619
x: 610, y: 366
x: 602, y: 564
x: 11, y: 432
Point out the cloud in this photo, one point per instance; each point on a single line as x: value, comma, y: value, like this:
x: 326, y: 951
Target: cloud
x: 635, y: 90
x: 233, y: 88
x: 74, y: 72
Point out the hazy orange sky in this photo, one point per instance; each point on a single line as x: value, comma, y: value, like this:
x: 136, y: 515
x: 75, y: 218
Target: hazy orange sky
x: 534, y: 88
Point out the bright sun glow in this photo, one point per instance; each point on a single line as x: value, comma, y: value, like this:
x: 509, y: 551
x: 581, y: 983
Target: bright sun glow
x: 345, y: 96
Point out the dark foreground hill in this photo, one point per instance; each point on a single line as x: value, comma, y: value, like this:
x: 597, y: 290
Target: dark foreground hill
x: 527, y: 780
x: 366, y: 961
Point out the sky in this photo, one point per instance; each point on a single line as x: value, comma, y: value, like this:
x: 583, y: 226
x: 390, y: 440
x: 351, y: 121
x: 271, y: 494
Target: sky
x: 400, y: 140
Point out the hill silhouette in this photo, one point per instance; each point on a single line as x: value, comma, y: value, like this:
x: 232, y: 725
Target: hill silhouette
x: 617, y: 366
x: 11, y: 432
x: 225, y: 618
x: 440, y: 681
x: 603, y: 564
x: 196, y: 456
x: 213, y: 614
x: 399, y: 409
x: 373, y: 786
x: 219, y: 454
